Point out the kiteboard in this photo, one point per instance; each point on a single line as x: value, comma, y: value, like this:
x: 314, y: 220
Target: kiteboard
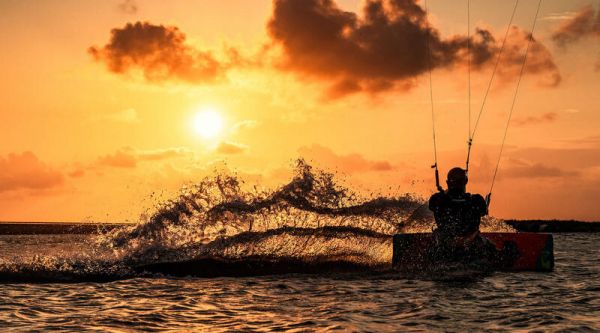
x: 531, y: 251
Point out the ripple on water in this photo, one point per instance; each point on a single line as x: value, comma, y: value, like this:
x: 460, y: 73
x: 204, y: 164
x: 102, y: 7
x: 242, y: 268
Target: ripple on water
x: 566, y: 299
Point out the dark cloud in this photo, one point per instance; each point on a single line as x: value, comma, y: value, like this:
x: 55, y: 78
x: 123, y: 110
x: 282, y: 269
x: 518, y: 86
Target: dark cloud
x: 128, y: 7
x: 230, y: 148
x: 159, y: 51
x: 548, y: 117
x: 26, y: 171
x: 129, y: 157
x: 347, y: 163
x: 384, y: 48
x: 585, y: 23
x: 342, y: 88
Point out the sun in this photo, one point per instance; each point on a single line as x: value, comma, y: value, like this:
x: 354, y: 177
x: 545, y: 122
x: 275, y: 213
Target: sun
x: 208, y: 123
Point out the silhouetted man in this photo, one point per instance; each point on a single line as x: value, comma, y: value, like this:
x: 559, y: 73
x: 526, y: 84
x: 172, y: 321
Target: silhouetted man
x: 458, y: 216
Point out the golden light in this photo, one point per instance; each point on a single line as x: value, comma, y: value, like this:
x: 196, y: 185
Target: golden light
x: 208, y: 123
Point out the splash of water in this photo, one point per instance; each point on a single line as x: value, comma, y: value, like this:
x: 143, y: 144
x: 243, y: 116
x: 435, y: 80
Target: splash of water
x: 311, y: 219
x: 217, y: 208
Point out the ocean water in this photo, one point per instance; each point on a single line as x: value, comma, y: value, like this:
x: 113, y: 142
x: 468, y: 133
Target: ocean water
x: 566, y: 299
x: 337, y: 243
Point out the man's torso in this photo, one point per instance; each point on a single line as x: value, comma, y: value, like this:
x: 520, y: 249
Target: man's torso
x: 457, y: 214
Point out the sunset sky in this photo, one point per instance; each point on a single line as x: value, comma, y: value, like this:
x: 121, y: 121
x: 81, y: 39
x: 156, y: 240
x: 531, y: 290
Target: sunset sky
x: 108, y: 107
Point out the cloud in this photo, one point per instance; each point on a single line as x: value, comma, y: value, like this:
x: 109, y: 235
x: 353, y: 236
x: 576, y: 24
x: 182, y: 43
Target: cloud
x: 587, y: 141
x: 230, y: 148
x: 558, y: 16
x: 121, y: 159
x: 160, y: 52
x: 161, y: 154
x: 347, y: 163
x: 539, y: 59
x: 244, y: 125
x: 536, y: 170
x: 576, y: 157
x: 128, y: 157
x: 585, y: 23
x: 26, y: 171
x: 385, y: 48
x: 548, y: 117
x: 128, y: 7
x: 77, y: 173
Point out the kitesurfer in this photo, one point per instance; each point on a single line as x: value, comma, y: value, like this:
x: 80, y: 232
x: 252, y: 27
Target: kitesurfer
x: 458, y: 215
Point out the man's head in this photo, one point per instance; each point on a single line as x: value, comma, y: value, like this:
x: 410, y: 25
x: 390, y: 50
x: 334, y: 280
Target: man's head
x: 457, y: 179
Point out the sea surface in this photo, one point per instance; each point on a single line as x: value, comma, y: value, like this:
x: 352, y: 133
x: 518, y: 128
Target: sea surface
x: 566, y: 299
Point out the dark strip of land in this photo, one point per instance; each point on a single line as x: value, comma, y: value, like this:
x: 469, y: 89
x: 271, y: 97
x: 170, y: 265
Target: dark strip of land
x: 554, y: 225
x: 54, y: 228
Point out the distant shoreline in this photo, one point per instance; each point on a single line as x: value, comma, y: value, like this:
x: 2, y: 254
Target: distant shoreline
x: 58, y: 228
x: 553, y: 226
x: 55, y: 228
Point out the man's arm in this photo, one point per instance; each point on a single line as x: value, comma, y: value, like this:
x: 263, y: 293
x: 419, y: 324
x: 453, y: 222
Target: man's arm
x: 434, y: 202
x: 480, y: 204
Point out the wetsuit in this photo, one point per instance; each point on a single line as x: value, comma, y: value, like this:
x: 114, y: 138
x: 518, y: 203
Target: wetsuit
x: 458, y: 216
x: 457, y: 213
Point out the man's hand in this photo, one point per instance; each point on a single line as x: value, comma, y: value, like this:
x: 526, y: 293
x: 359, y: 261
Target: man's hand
x: 488, y: 197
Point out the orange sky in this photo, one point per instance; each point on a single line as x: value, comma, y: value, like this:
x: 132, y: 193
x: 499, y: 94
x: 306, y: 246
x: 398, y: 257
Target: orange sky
x: 97, y: 124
